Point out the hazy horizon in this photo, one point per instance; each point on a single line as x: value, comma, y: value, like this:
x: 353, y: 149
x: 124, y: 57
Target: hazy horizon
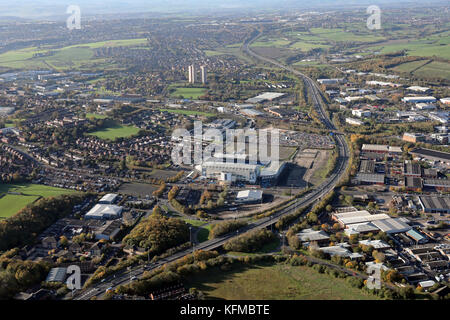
x: 50, y: 8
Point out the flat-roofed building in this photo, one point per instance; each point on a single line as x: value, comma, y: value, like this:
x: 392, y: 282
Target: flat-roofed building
x: 249, y: 196
x: 413, y: 137
x: 412, y: 169
x: 416, y: 236
x: 109, y: 230
x: 430, y: 173
x: 309, y: 235
x: 57, y: 275
x: 419, y: 99
x: 370, y: 178
x: 379, y: 148
x: 238, y: 171
x: 435, y: 204
x: 367, y: 166
x: 432, y: 155
x: 354, y: 122
x: 413, y: 183
x: 360, y: 228
x: 266, y: 96
x: 418, y: 89
x: 104, y: 212
x: 438, y: 184
x: 346, y: 219
x: 376, y: 244
x: 341, y: 251
x: 252, y: 113
x: 109, y: 198
x: 391, y: 225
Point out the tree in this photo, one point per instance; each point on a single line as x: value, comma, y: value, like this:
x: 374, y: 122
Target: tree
x: 63, y: 241
x: 378, y: 256
x: 157, y: 210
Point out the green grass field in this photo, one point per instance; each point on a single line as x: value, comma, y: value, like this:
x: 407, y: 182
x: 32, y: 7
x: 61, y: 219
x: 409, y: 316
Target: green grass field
x: 426, y: 47
x: 212, y: 53
x: 189, y: 93
x: 10, y: 204
x: 113, y: 131
x: 424, y: 69
x: 340, y: 35
x: 95, y: 116
x: 410, y: 66
x: 306, y: 46
x: 203, y: 233
x: 70, y: 57
x: 277, y: 282
x: 24, y: 194
x: 434, y: 69
x: 270, y: 43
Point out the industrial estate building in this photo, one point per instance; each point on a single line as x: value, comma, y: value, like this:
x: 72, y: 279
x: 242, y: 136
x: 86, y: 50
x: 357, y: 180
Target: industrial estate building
x: 104, y: 212
x: 249, y: 196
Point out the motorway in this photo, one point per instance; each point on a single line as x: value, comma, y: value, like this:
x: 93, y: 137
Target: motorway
x: 124, y: 277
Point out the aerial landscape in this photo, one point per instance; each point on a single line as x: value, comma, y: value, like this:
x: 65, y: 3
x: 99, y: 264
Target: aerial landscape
x: 202, y: 151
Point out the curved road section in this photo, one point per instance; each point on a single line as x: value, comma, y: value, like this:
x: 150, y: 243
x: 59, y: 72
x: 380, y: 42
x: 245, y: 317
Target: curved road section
x: 124, y: 277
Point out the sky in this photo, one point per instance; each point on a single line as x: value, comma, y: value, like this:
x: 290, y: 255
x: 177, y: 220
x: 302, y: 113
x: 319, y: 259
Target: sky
x: 51, y: 8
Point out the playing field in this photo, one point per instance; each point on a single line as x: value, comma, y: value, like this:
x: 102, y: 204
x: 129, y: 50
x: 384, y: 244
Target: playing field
x: 114, y: 131
x: 278, y: 282
x: 95, y: 116
x: 189, y: 93
x: 18, y: 196
x: 10, y: 204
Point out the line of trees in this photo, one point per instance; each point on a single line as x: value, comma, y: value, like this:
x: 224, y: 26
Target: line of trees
x: 25, y: 226
x: 251, y: 241
x: 222, y: 228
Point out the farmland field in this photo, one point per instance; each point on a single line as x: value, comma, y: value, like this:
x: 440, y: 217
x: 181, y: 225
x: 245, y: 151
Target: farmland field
x: 410, y: 66
x: 424, y: 69
x: 18, y: 196
x: 434, y: 69
x: 264, y: 282
x: 426, y: 47
x: 74, y: 56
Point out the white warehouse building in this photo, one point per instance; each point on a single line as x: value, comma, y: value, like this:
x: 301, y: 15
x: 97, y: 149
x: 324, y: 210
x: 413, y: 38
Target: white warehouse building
x: 104, y: 212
